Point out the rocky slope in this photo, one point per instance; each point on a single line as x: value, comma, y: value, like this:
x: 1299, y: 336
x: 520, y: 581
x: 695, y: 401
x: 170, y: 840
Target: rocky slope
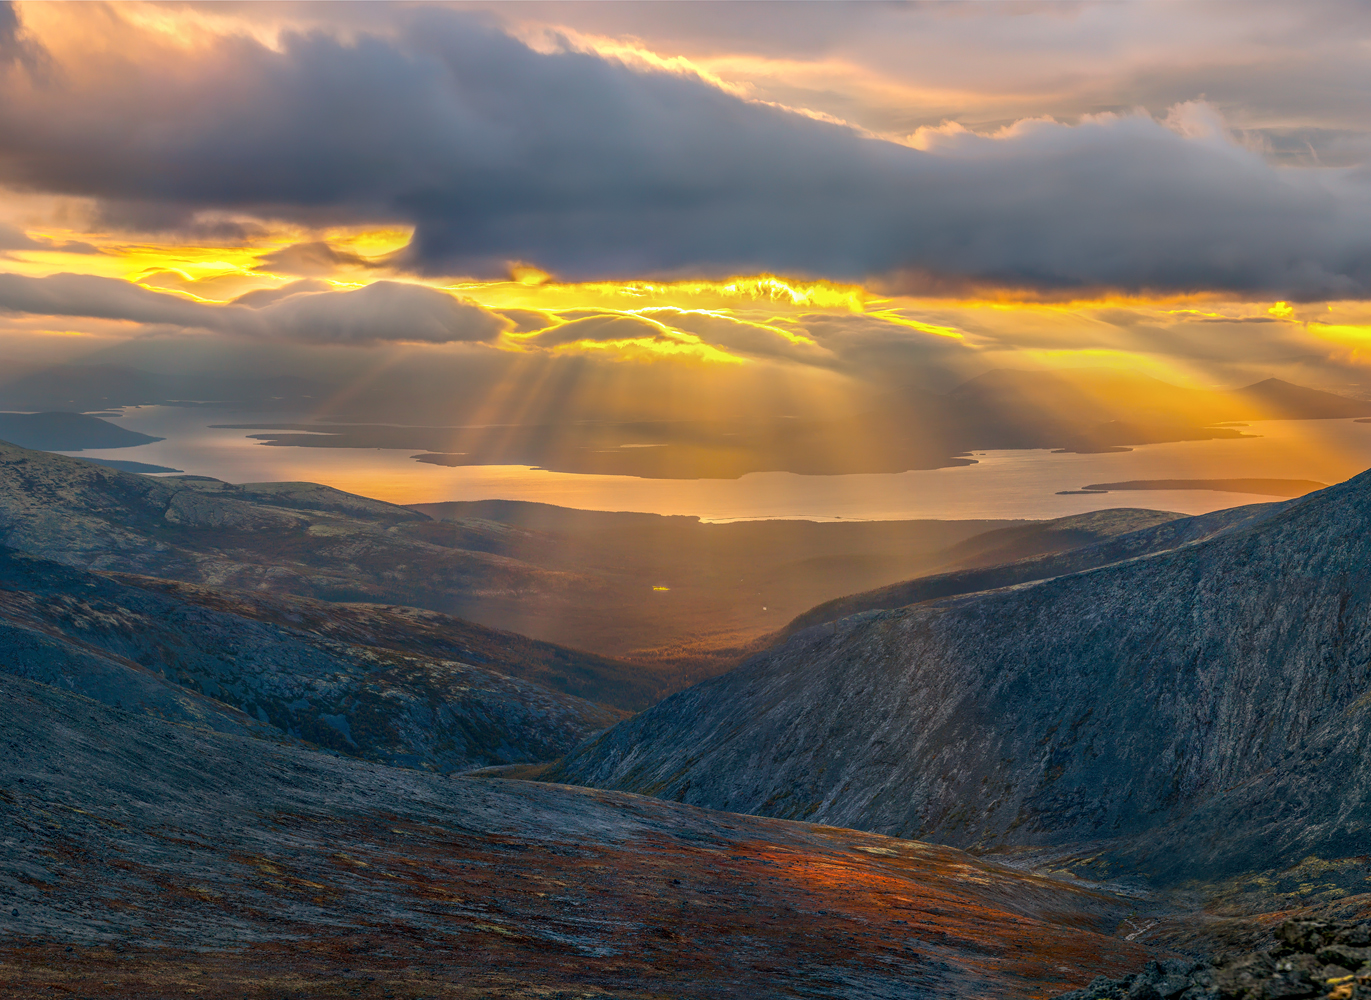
x: 142, y: 859
x: 428, y: 634
x: 1309, y: 959
x: 1206, y: 705
x: 192, y: 662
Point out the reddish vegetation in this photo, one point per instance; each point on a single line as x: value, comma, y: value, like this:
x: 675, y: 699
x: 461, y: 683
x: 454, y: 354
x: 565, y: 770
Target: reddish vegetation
x: 416, y: 910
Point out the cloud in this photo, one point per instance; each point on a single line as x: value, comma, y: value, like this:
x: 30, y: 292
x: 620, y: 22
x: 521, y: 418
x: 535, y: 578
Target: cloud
x: 744, y: 336
x: 266, y: 296
x: 601, y: 328
x: 880, y: 348
x: 100, y: 298
x: 588, y: 168
x: 383, y: 311
x: 527, y: 320
x: 15, y: 48
x: 15, y: 239
x: 316, y: 258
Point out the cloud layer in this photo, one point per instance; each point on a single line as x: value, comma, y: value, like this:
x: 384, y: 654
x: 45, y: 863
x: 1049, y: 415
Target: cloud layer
x: 379, y: 312
x: 590, y: 167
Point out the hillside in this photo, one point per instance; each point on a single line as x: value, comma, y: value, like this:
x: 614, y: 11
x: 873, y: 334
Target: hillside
x: 333, y: 683
x: 147, y: 860
x: 1206, y: 705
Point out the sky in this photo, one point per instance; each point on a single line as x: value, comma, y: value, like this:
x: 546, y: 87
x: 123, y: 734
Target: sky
x: 575, y: 210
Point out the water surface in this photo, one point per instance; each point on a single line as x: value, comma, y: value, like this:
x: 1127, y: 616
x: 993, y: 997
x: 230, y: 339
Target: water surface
x: 1002, y: 484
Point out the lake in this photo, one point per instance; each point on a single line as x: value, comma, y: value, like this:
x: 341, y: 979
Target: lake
x: 1002, y: 484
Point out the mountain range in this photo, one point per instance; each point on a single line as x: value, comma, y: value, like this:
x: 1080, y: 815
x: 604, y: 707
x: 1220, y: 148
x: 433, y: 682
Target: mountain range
x: 67, y: 432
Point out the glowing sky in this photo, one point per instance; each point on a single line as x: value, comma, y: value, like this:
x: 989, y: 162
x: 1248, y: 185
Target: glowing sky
x: 775, y: 205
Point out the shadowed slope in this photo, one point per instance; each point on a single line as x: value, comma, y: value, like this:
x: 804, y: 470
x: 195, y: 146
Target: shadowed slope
x: 299, y: 538
x: 1102, y: 704
x: 429, y: 634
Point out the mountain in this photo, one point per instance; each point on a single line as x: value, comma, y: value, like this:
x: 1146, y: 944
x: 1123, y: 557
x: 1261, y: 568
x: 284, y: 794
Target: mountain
x: 284, y: 671
x: 147, y: 859
x: 1062, y: 534
x: 294, y: 538
x: 1204, y: 708
x: 1274, y: 399
x: 1260, y: 487
x: 84, y: 388
x: 67, y: 432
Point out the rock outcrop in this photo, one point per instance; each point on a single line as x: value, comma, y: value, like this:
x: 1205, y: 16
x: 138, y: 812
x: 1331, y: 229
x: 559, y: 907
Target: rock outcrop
x: 1325, y: 959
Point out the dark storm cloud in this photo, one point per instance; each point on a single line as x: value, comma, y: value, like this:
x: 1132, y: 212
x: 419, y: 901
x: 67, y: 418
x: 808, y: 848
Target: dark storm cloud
x: 588, y: 168
x: 383, y: 311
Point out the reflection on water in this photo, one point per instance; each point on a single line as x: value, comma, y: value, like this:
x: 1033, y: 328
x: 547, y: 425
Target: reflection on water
x: 1003, y: 484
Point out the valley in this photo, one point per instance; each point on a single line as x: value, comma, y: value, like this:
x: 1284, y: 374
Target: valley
x: 976, y: 736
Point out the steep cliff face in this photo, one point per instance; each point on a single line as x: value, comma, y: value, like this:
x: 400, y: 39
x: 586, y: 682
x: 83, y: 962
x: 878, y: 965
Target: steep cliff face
x: 1181, y: 687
